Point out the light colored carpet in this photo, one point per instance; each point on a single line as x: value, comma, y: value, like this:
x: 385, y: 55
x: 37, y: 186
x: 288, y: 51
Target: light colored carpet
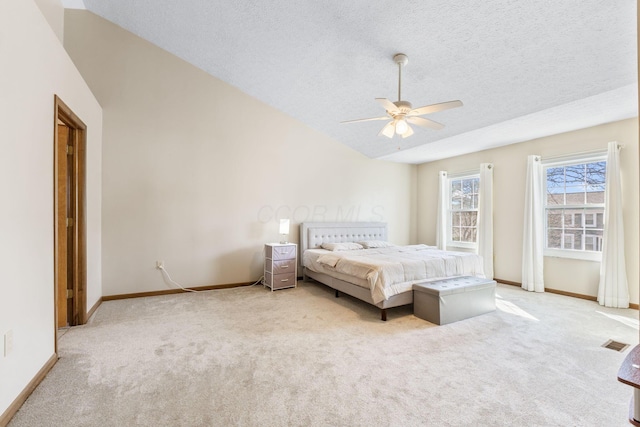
x: 300, y: 357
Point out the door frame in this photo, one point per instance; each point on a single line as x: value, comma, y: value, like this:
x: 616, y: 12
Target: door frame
x: 62, y: 113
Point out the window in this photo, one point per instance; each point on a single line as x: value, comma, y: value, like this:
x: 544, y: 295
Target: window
x: 590, y: 219
x: 569, y: 219
x: 463, y: 211
x: 593, y: 243
x: 574, y: 207
x: 567, y: 241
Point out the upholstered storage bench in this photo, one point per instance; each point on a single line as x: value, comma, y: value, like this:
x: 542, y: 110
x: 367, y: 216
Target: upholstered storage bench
x: 449, y: 300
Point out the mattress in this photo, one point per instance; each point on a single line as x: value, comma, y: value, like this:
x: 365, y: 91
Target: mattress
x: 310, y: 261
x: 392, y: 270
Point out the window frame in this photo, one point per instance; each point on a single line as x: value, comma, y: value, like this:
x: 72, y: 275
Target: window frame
x: 450, y: 211
x: 582, y: 254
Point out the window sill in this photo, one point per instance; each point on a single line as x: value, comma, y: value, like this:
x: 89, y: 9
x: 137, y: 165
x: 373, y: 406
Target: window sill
x: 461, y: 245
x: 567, y: 253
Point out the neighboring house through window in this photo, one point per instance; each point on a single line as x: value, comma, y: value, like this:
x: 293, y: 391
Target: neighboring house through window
x: 574, y: 207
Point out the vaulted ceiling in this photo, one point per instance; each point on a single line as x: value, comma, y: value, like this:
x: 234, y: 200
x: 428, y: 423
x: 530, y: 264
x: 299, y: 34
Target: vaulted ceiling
x: 523, y: 69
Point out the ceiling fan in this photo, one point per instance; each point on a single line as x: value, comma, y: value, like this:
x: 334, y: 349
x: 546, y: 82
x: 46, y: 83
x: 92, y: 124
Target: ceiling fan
x: 402, y: 113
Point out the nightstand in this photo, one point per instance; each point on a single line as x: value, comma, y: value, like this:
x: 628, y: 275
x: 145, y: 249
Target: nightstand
x: 280, y: 265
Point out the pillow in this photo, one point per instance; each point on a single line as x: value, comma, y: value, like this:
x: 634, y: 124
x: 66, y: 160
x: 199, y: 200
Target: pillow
x: 346, y: 246
x: 371, y: 244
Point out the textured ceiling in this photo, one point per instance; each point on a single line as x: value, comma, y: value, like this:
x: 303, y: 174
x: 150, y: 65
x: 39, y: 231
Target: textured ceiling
x: 523, y: 69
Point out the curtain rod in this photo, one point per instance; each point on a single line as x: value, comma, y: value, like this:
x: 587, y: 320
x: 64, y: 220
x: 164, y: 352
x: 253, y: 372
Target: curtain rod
x: 463, y: 173
x: 560, y: 157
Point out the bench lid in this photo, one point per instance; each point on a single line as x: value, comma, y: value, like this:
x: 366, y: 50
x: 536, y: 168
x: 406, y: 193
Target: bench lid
x: 454, y: 285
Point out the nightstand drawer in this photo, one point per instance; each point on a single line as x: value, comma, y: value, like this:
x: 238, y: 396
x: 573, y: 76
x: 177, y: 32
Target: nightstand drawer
x: 282, y: 266
x: 281, y: 252
x: 279, y: 281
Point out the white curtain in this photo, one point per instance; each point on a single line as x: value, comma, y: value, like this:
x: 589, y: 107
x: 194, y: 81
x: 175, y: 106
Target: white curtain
x: 485, y: 218
x: 533, y: 235
x: 443, y: 204
x: 613, y: 290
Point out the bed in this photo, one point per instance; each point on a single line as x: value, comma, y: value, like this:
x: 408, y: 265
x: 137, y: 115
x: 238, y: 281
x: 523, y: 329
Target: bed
x: 381, y: 275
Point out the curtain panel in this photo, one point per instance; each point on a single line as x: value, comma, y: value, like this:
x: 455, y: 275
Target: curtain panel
x: 533, y: 234
x: 485, y: 218
x: 443, y: 204
x: 613, y: 289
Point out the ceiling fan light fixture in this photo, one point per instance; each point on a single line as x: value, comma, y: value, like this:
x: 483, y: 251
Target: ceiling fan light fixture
x: 401, y: 126
x: 388, y: 130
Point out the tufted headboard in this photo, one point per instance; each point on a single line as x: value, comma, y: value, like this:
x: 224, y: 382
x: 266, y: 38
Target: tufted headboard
x: 314, y: 234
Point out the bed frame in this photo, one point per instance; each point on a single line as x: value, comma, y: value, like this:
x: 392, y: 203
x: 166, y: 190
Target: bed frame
x: 314, y: 234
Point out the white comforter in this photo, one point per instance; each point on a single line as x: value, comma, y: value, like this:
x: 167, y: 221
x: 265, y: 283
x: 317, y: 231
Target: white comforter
x: 393, y: 270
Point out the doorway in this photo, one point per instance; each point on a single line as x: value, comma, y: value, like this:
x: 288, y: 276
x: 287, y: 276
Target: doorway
x: 69, y: 218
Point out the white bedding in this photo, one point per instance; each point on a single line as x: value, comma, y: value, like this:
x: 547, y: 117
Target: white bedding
x: 393, y: 270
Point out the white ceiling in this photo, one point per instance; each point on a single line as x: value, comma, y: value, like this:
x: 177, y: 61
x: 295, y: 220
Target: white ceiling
x: 523, y: 69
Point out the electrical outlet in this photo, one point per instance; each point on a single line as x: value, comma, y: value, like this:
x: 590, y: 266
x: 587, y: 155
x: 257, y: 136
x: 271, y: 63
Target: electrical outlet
x: 8, y: 342
x: 159, y: 264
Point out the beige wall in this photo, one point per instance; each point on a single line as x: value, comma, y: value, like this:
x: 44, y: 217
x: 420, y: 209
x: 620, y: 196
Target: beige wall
x: 196, y: 173
x: 53, y: 12
x: 34, y: 67
x: 510, y: 162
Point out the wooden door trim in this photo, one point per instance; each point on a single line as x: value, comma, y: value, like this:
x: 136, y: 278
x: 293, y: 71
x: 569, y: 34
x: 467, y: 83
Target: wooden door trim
x: 62, y: 113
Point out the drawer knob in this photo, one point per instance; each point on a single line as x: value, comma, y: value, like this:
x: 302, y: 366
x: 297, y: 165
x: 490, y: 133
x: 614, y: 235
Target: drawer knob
x: 284, y: 280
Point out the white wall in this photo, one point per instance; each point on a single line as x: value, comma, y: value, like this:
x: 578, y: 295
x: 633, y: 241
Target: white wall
x: 575, y: 276
x: 196, y: 173
x: 34, y: 67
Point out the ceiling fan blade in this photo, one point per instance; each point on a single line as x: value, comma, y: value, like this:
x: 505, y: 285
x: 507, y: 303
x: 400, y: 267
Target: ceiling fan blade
x: 425, y: 123
x: 388, y: 130
x: 366, y: 120
x: 434, y: 108
x: 388, y: 105
x: 408, y: 132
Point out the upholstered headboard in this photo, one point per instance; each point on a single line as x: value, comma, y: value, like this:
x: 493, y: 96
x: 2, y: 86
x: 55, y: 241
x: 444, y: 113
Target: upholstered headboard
x: 314, y: 234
